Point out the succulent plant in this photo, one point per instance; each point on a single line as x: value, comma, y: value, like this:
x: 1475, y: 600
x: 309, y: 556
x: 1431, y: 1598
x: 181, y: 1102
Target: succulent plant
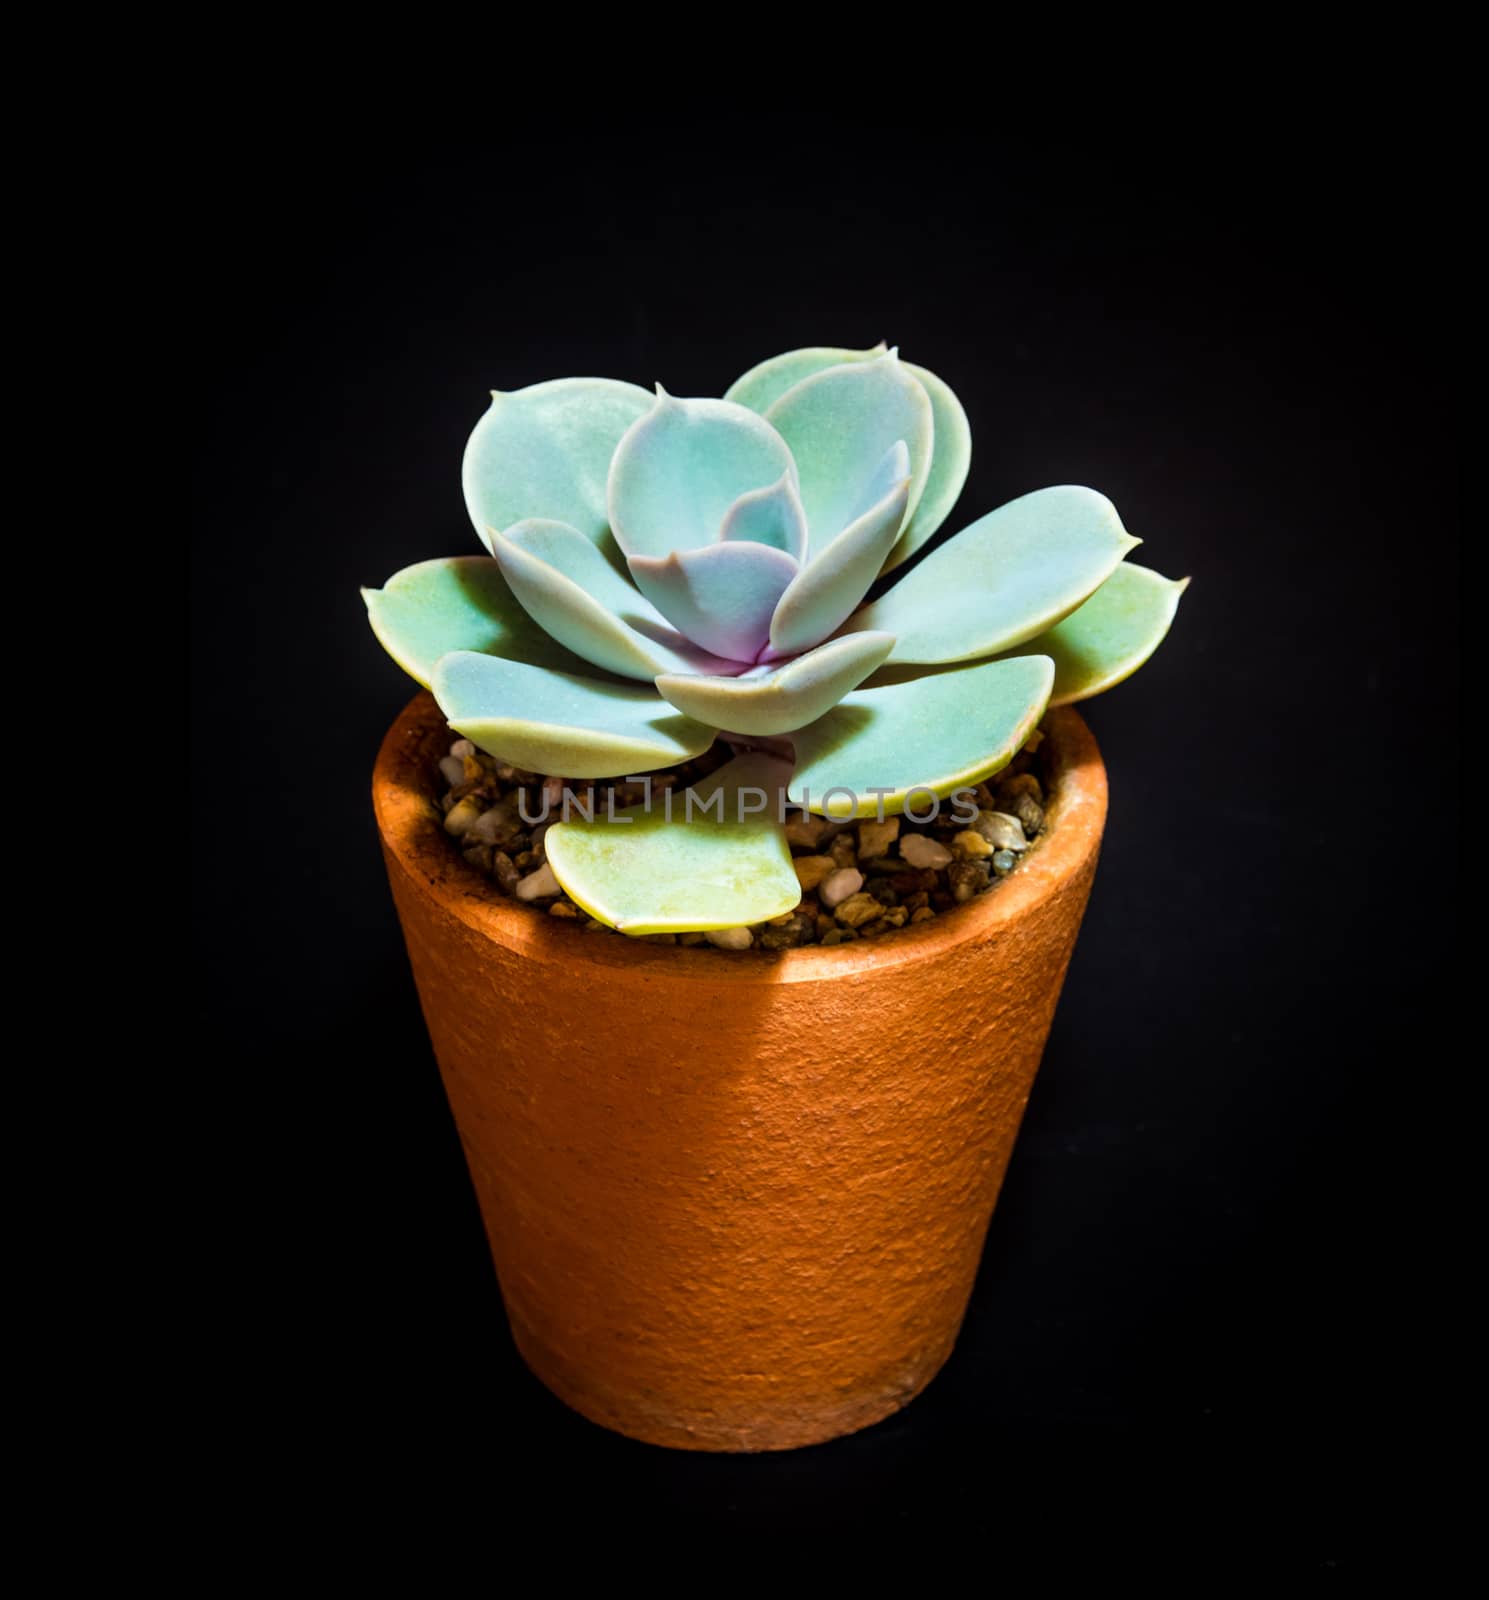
x: 667, y: 572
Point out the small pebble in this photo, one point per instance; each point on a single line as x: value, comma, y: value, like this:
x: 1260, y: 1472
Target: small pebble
x: 805, y: 833
x: 844, y: 882
x: 1030, y: 813
x: 788, y: 934
x: 813, y: 870
x: 496, y: 823
x: 538, y: 885
x: 1002, y: 831
x: 859, y: 878
x: 462, y: 816
x: 858, y: 909
x: 924, y: 853
x: 875, y: 838
x: 841, y: 850
x: 966, y: 879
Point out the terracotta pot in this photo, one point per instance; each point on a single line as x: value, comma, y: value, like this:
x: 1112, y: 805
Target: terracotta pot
x: 736, y: 1201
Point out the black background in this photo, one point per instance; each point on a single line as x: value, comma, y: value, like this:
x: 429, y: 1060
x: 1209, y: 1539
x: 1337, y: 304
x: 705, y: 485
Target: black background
x: 1181, y: 1304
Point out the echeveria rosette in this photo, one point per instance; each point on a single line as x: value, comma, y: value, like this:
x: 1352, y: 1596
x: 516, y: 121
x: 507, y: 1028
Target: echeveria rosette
x: 666, y: 571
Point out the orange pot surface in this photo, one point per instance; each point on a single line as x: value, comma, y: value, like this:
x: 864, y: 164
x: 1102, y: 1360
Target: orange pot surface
x: 736, y: 1200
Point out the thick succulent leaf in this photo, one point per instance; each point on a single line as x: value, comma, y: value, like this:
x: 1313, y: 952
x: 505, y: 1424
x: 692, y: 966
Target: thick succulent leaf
x: 841, y: 424
x: 562, y: 722
x: 894, y: 469
x: 828, y: 588
x: 570, y: 589
x: 1003, y: 579
x: 1111, y: 635
x: 677, y: 472
x: 772, y: 515
x: 646, y: 874
x: 545, y: 452
x: 457, y: 603
x: 774, y: 700
x: 950, y: 464
x: 762, y: 386
x: 721, y: 597
x: 939, y: 732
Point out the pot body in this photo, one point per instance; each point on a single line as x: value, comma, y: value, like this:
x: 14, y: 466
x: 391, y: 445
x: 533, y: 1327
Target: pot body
x: 736, y: 1201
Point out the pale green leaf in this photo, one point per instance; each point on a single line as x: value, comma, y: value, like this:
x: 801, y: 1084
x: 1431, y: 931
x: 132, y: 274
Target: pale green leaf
x: 457, y: 603
x: 762, y: 386
x: 644, y: 872
x: 562, y: 723
x: 774, y: 700
x: 567, y: 585
x: 1004, y: 579
x: 938, y: 732
x: 837, y: 578
x: 772, y: 515
x: 545, y: 451
x: 841, y: 425
x: 1109, y: 637
x: 950, y: 463
x: 678, y: 471
x: 722, y: 597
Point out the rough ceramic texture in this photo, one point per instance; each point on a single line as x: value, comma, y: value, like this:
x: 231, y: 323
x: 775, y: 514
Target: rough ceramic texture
x: 764, y: 1236
x: 702, y: 568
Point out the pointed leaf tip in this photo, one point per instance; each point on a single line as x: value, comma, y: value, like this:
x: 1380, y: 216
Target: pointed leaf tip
x: 1107, y: 638
x: 459, y: 603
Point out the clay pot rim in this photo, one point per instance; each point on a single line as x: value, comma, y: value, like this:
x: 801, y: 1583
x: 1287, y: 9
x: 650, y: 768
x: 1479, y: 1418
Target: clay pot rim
x: 409, y: 821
